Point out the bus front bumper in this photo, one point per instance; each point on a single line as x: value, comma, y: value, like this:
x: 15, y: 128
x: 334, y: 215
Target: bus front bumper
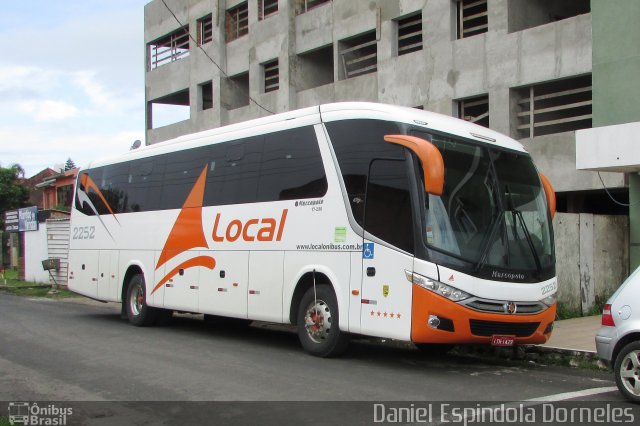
x: 435, y: 319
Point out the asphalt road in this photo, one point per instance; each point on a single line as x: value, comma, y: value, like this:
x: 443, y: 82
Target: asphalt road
x: 81, y: 350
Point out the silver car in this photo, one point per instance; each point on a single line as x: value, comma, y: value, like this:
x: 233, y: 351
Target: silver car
x: 618, y: 340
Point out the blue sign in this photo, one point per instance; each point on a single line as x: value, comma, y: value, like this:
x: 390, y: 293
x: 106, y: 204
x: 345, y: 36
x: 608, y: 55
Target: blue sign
x: 21, y: 220
x: 368, y: 251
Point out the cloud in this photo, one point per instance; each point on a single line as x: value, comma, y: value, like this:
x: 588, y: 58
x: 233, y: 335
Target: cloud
x: 37, y: 148
x: 73, y: 85
x: 47, y: 110
x: 103, y: 98
x: 27, y: 79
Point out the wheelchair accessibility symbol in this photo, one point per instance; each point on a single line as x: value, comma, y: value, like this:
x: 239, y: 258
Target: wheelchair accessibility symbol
x: 367, y: 251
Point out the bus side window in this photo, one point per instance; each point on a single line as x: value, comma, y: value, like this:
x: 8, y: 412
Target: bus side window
x: 145, y: 184
x: 241, y: 168
x: 114, y: 185
x: 181, y: 170
x: 82, y: 203
x: 291, y: 166
x: 356, y: 143
x: 388, y: 204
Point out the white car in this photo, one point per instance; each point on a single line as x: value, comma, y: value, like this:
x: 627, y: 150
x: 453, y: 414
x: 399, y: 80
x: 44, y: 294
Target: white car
x: 618, y: 340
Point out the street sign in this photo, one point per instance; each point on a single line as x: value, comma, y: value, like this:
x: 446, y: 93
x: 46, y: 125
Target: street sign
x: 21, y: 220
x: 11, y: 221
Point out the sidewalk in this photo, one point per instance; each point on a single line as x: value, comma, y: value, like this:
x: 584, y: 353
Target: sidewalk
x: 576, y: 334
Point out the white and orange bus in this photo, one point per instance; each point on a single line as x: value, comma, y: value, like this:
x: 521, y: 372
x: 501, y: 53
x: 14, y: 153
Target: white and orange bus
x: 346, y: 218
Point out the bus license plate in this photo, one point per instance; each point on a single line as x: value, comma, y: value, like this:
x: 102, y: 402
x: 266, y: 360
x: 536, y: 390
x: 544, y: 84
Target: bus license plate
x: 502, y: 340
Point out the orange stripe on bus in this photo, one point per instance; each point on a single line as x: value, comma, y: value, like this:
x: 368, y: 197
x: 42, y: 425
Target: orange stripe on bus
x: 205, y: 261
x: 187, y: 230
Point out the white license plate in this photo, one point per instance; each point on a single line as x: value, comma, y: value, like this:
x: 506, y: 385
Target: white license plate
x: 497, y: 340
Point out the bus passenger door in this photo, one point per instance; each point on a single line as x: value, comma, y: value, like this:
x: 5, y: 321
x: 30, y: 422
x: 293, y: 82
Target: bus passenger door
x: 386, y: 293
x: 223, y: 289
x: 265, y: 285
x: 355, y: 305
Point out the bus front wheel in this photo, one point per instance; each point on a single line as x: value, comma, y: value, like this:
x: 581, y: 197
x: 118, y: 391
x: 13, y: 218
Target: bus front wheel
x: 318, y: 323
x: 138, y: 313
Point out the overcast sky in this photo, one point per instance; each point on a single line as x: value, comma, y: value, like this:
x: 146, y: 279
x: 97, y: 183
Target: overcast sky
x: 71, y: 80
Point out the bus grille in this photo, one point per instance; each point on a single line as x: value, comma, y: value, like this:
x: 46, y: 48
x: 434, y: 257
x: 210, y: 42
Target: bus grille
x: 497, y: 307
x: 489, y: 328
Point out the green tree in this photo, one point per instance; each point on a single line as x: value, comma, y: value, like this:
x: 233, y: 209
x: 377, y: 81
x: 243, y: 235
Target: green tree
x: 13, y: 193
x: 69, y: 164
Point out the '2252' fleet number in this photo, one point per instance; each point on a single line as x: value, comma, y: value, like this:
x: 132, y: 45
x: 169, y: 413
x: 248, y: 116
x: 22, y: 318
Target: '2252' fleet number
x: 84, y: 233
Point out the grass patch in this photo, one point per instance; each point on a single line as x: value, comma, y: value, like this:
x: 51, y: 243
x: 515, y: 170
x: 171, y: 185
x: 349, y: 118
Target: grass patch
x: 30, y: 289
x: 40, y: 292
x: 564, y: 312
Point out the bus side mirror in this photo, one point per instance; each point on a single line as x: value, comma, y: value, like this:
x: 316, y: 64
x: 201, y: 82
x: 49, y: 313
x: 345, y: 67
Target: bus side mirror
x: 550, y: 194
x: 429, y: 155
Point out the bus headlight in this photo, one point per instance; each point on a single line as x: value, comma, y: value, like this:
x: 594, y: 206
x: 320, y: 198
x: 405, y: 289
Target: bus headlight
x: 550, y: 300
x: 437, y: 287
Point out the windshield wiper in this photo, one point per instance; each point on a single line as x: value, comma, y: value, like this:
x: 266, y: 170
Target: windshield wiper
x: 492, y: 177
x: 485, y: 249
x: 527, y: 234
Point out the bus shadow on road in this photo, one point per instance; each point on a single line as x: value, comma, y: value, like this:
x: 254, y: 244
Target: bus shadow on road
x: 263, y: 336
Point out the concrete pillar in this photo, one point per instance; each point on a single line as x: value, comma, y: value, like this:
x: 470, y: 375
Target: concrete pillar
x: 587, y: 277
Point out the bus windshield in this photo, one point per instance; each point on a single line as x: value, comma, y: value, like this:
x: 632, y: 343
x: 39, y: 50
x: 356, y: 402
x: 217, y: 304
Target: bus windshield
x: 492, y: 217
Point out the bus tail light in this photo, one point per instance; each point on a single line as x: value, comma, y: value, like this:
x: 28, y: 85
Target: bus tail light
x: 607, y: 318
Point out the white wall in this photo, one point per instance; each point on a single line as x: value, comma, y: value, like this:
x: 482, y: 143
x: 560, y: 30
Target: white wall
x: 35, y: 253
x: 609, y: 148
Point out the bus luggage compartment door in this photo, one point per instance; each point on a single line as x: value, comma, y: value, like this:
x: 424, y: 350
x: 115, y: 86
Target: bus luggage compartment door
x: 83, y: 272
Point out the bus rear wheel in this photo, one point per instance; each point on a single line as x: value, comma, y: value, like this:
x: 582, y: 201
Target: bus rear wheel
x: 318, y: 323
x: 138, y: 312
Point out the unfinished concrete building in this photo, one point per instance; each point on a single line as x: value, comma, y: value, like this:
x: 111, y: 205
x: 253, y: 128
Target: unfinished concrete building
x: 521, y: 67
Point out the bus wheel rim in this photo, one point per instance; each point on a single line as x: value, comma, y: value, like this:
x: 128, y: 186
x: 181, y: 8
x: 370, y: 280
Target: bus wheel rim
x: 136, y: 299
x: 317, y: 321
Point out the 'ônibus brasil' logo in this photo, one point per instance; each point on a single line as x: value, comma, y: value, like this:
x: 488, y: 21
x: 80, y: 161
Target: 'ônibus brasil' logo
x: 187, y: 233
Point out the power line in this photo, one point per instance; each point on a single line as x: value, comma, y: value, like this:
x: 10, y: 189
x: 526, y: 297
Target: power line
x: 611, y: 196
x: 214, y: 62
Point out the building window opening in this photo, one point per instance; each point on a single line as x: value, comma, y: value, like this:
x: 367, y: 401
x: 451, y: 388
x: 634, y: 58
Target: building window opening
x: 168, y: 49
x: 237, y: 22
x: 533, y: 13
x: 475, y: 110
x: 303, y: 6
x: 234, y: 91
x: 271, y: 76
x: 206, y: 95
x: 472, y: 17
x: 267, y: 8
x: 554, y: 107
x: 64, y: 195
x: 410, y: 34
x: 315, y: 68
x: 168, y: 110
x: 205, y: 30
x: 359, y: 55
